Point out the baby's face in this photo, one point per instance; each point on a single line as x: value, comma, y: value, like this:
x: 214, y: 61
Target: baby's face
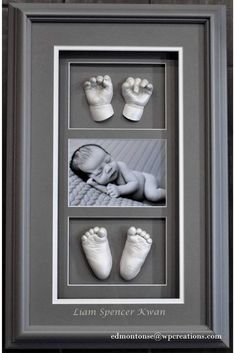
x: 101, y: 167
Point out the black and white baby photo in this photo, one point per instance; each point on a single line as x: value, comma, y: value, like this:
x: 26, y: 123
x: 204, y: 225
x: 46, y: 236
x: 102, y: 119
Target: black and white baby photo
x: 117, y: 172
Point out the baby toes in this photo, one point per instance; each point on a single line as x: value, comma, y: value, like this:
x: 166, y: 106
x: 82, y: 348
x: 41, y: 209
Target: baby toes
x: 143, y: 233
x: 84, y: 238
x: 131, y: 231
x: 102, y: 232
x: 146, y: 236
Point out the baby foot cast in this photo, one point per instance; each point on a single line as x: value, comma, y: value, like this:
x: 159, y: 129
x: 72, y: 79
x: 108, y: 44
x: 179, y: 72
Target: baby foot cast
x: 137, y: 247
x: 96, y: 247
x: 99, y: 92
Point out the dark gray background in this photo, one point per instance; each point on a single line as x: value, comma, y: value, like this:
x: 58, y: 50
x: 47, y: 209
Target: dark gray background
x: 230, y: 69
x: 44, y: 37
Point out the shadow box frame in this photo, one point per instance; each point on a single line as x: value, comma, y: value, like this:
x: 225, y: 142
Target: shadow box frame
x: 20, y: 333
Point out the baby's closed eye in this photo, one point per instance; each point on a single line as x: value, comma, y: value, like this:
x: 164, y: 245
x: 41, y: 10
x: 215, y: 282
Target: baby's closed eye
x: 107, y: 159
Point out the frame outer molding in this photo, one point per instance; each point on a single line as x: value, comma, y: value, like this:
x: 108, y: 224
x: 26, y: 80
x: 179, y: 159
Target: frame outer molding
x: 18, y: 172
x: 18, y: 332
x: 220, y: 245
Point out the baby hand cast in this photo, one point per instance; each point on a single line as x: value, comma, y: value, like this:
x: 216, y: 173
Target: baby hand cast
x: 99, y: 92
x: 136, y: 93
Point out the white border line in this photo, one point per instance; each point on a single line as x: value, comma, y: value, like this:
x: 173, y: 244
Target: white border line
x: 115, y: 63
x: 181, y: 175
x: 118, y: 301
x: 55, y: 299
x: 112, y: 284
x: 55, y: 173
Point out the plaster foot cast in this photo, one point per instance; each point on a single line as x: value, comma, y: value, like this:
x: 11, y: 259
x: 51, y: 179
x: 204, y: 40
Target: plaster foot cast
x: 136, y: 249
x: 136, y: 93
x: 99, y: 93
x: 96, y: 247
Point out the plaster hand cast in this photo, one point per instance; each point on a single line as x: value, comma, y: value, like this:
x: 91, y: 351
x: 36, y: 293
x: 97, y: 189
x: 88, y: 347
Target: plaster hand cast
x: 136, y: 249
x: 136, y: 93
x: 96, y: 247
x: 99, y: 93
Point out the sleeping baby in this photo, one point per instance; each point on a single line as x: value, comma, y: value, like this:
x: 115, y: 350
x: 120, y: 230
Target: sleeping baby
x: 97, y: 167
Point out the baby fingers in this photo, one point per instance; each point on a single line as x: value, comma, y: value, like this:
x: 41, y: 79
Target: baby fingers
x: 137, y: 85
x: 112, y: 194
x: 93, y: 81
x: 87, y: 85
x: 112, y: 191
x: 144, y: 83
x: 107, y: 82
x: 149, y: 87
x: 99, y: 79
x: 129, y: 83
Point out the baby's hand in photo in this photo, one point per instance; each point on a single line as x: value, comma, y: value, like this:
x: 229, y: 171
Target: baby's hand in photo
x: 136, y: 93
x: 91, y: 182
x: 97, y: 186
x: 113, y: 190
x: 99, y: 93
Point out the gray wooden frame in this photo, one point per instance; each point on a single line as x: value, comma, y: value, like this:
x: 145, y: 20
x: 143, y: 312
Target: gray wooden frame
x: 19, y: 333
